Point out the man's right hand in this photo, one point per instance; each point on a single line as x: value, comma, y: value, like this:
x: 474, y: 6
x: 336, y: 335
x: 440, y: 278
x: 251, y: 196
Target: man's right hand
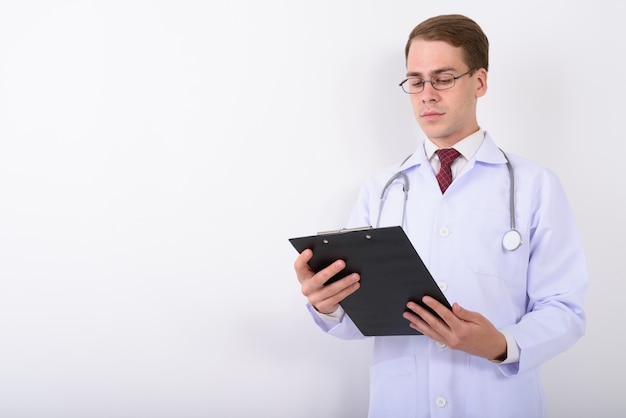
x: 325, y: 299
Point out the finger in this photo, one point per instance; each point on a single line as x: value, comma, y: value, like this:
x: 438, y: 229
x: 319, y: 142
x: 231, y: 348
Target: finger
x: 327, y: 299
x: 414, y: 318
x: 316, y: 291
x: 437, y: 328
x: 301, y: 266
x: 420, y: 325
x: 464, y: 314
x: 304, y: 271
x: 327, y: 273
x: 444, y: 312
x: 424, y: 314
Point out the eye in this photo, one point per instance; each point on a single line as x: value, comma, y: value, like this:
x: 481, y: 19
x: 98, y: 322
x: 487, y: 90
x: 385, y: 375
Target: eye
x: 416, y: 82
x: 444, y: 80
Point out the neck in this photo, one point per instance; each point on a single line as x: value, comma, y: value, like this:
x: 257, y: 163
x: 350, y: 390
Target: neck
x: 451, y: 140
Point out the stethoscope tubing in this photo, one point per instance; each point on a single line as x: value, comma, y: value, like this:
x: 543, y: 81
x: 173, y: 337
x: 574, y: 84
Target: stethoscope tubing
x: 512, y: 238
x: 383, y: 197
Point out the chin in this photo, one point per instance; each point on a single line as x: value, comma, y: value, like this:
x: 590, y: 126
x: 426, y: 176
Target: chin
x: 434, y: 134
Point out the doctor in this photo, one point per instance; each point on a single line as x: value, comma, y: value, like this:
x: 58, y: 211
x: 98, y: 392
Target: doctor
x: 513, y: 309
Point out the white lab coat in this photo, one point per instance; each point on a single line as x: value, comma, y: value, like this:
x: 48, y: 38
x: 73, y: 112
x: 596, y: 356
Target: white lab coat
x: 536, y: 292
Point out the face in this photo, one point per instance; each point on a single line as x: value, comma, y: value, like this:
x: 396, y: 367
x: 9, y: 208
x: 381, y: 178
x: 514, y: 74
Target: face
x: 445, y: 116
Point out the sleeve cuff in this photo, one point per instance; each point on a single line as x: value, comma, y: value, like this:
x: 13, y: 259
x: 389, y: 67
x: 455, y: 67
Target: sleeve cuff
x: 336, y: 316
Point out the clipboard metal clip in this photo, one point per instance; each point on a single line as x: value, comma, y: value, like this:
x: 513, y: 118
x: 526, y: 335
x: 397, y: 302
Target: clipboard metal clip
x: 342, y: 230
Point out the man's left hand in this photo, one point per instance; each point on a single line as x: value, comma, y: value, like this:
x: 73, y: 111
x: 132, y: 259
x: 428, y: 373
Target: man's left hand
x: 458, y: 329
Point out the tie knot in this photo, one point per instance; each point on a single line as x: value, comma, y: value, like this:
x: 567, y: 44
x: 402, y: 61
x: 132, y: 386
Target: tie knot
x: 447, y: 156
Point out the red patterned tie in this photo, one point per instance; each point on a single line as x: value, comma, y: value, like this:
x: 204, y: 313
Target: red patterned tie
x: 444, y: 176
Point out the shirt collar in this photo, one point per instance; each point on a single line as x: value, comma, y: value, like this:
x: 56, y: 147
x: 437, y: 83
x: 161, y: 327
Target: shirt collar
x: 467, y: 147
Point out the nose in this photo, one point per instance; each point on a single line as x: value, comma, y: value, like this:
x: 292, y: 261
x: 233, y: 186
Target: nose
x: 429, y: 94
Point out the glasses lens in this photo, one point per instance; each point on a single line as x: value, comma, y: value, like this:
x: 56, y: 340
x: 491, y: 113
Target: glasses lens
x: 443, y: 81
x: 413, y: 85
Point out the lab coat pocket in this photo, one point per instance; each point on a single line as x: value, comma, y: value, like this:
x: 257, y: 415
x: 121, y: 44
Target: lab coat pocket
x: 486, y: 253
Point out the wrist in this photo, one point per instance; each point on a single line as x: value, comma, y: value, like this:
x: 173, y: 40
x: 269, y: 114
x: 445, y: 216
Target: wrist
x: 503, y: 351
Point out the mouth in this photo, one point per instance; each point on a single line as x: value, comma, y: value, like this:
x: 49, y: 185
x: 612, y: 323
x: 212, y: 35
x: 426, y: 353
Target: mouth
x: 431, y: 115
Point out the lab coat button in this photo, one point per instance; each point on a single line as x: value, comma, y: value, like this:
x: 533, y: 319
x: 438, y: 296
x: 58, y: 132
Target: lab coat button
x: 444, y: 231
x: 441, y: 345
x: 443, y: 286
x: 440, y: 401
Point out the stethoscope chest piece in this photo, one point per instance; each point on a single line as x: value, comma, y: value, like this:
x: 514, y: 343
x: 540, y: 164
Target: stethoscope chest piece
x: 512, y: 240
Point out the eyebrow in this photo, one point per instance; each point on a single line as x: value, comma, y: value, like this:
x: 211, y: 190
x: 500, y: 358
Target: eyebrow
x: 435, y: 72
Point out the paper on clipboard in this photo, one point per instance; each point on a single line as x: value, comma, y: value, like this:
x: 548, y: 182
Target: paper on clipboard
x: 392, y: 273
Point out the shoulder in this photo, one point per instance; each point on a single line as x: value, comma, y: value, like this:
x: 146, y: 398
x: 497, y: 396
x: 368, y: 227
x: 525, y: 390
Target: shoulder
x: 528, y: 168
x: 522, y: 166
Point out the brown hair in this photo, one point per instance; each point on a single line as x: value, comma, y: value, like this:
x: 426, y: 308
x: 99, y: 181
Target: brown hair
x: 458, y: 31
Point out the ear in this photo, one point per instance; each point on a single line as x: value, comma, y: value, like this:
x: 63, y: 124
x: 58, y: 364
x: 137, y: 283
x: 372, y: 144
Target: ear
x: 481, y: 82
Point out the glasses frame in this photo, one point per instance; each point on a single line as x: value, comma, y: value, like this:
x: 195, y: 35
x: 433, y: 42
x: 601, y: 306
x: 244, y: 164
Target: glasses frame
x: 432, y: 84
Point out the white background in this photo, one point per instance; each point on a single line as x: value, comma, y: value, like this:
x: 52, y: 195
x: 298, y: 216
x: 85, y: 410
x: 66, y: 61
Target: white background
x: 155, y: 156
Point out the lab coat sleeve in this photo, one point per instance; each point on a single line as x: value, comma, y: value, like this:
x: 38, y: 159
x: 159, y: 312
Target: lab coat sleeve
x: 344, y: 329
x: 556, y: 280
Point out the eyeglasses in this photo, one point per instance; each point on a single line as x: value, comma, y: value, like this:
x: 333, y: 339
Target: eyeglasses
x: 445, y: 81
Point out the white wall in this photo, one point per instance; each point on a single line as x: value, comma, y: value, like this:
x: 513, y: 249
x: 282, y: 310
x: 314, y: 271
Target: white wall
x: 156, y: 155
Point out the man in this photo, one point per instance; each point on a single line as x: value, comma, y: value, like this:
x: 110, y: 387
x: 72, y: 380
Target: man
x: 513, y: 306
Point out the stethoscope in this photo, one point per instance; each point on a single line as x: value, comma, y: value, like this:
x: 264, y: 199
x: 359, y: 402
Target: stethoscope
x: 512, y: 238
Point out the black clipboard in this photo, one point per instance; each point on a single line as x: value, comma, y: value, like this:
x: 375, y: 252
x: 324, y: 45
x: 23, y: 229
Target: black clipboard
x: 392, y: 273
